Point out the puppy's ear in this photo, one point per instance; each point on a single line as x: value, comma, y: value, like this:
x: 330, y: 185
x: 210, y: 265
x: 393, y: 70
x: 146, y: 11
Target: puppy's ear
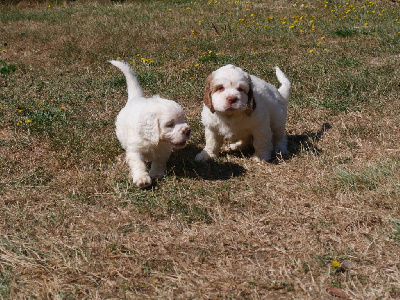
x: 208, y: 94
x: 149, y: 128
x: 251, y: 103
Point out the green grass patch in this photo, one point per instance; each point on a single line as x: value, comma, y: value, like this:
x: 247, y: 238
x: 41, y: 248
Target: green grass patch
x: 6, y: 69
x: 369, y: 178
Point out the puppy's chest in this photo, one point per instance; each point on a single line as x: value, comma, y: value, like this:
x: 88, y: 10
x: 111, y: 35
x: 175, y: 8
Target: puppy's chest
x: 152, y: 154
x: 233, y: 128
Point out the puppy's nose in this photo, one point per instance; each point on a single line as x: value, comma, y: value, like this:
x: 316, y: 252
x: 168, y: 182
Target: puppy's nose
x: 231, y: 99
x: 187, y: 131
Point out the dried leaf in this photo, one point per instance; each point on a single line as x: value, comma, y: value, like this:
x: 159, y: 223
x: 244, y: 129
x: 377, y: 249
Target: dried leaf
x: 338, y: 293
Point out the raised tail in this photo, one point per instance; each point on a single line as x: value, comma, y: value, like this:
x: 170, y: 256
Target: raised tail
x: 286, y: 86
x: 134, y: 89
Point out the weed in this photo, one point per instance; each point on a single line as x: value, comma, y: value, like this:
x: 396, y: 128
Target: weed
x: 6, y: 69
x: 345, y: 32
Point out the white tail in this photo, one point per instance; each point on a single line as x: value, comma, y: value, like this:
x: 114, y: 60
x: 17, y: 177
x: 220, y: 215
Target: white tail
x: 286, y: 86
x: 134, y: 89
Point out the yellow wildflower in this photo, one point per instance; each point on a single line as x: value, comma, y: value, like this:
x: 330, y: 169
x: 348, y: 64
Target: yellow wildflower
x: 335, y: 264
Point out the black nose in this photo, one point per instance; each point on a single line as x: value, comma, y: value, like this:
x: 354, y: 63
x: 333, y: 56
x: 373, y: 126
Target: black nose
x: 187, y: 131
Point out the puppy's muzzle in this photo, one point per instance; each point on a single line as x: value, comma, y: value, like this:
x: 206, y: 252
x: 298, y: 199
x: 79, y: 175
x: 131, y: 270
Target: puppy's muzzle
x: 232, y: 99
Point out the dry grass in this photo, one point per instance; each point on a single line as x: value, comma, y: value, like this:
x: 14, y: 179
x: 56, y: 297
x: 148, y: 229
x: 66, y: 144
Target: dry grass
x: 73, y: 226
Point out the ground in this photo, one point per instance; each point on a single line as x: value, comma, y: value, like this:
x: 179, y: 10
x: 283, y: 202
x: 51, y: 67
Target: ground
x: 321, y: 223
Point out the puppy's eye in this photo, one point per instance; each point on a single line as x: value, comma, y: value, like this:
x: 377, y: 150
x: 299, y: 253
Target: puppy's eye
x: 220, y: 88
x: 241, y: 90
x: 170, y: 124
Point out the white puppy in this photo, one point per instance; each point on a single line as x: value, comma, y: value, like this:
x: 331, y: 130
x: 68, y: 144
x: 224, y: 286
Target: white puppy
x: 148, y: 129
x: 244, y: 109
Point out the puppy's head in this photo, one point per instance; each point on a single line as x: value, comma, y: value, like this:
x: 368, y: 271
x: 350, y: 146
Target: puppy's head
x: 166, y: 123
x: 229, y: 89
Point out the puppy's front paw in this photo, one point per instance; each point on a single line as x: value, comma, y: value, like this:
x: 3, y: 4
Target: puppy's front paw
x: 142, y: 180
x: 204, y: 155
x: 261, y: 158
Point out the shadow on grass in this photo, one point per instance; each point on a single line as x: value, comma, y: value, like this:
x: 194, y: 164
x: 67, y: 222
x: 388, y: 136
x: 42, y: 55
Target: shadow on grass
x: 182, y: 163
x: 306, y: 142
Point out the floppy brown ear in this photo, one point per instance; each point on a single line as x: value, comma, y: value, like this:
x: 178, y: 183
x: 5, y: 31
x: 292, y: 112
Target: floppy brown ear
x: 207, y: 94
x: 251, y: 103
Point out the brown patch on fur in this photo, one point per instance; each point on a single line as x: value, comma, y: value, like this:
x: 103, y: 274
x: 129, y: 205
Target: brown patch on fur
x: 251, y: 103
x: 207, y: 94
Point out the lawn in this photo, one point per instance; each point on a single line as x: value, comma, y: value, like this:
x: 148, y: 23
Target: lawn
x: 322, y: 223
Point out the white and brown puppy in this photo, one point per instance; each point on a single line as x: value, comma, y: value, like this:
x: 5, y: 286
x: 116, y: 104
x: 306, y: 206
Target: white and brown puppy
x: 148, y: 129
x: 244, y: 109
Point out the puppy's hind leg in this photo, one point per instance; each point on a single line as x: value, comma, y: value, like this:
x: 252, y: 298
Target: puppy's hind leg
x: 138, y: 169
x: 280, y: 140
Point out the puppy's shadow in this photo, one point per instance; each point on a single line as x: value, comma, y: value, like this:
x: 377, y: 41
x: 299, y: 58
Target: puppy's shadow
x: 306, y: 142
x: 182, y: 164
x: 297, y: 143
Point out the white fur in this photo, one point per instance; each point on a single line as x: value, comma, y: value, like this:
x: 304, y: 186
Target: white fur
x: 148, y: 129
x: 228, y: 113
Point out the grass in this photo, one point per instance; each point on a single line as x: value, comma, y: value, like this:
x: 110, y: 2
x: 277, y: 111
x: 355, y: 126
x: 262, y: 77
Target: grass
x: 72, y: 224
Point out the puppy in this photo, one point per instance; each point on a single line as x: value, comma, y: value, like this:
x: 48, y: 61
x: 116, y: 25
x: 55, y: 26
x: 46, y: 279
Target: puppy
x: 148, y: 129
x: 246, y: 110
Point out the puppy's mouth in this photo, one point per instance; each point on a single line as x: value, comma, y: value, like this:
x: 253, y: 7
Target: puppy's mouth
x: 180, y: 145
x: 230, y: 109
